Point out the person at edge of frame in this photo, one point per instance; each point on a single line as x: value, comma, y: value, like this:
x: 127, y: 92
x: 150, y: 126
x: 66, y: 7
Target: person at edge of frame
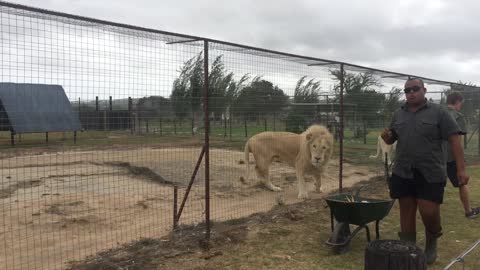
x: 418, y: 178
x: 454, y: 105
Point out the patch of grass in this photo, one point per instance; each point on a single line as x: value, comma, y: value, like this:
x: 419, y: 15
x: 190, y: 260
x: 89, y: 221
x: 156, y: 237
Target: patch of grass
x: 280, y: 243
x: 275, y: 232
x: 274, y: 240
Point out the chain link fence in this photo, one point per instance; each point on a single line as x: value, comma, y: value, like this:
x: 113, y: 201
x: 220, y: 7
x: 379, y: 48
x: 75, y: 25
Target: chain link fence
x: 163, y: 119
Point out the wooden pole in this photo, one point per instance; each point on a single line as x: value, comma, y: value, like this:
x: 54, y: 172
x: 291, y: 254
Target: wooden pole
x: 105, y: 120
x: 231, y: 122
x: 138, y: 128
x: 161, y: 126
x: 478, y: 133
x: 364, y: 131
x: 245, y: 125
x: 274, y: 120
x: 193, y: 123
x: 130, y: 107
x: 175, y: 126
x: 224, y: 125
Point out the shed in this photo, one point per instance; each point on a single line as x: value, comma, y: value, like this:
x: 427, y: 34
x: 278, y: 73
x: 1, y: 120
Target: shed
x: 36, y: 108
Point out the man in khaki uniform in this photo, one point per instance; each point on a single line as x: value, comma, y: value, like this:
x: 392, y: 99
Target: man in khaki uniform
x: 454, y: 103
x: 418, y: 177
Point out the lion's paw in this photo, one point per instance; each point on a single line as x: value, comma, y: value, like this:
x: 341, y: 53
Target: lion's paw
x: 303, y: 195
x: 319, y: 189
x: 272, y: 187
x: 275, y: 188
x: 243, y: 180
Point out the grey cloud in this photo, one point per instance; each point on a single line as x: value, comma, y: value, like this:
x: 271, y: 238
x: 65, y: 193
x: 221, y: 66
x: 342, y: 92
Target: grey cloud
x: 431, y: 38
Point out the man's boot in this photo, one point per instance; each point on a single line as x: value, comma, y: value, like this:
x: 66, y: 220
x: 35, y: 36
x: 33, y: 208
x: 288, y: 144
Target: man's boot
x: 408, y: 236
x: 431, y: 246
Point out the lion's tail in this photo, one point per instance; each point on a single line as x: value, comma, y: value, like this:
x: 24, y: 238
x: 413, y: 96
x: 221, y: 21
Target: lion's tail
x: 378, y: 149
x: 247, y: 160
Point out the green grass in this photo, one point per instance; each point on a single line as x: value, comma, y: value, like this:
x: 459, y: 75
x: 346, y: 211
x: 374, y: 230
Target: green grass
x: 355, y: 150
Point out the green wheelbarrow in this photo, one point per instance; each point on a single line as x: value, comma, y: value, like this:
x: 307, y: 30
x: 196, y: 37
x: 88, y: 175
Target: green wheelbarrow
x: 346, y: 210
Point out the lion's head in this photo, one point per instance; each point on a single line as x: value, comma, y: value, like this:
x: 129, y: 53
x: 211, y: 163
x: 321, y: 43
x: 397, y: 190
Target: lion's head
x: 320, y: 143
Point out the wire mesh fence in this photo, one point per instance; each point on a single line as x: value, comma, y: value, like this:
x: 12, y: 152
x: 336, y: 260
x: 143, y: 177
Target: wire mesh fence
x: 139, y: 97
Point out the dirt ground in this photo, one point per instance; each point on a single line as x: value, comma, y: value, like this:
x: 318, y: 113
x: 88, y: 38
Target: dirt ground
x: 286, y: 237
x: 64, y: 206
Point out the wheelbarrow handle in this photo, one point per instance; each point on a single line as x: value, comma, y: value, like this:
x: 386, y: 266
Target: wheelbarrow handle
x: 350, y: 237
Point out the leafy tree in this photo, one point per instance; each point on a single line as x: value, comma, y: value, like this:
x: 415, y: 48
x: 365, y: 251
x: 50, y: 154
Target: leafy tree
x: 391, y: 103
x: 305, y: 92
x: 233, y: 90
x: 360, y: 90
x: 153, y: 106
x: 195, y: 76
x: 180, y: 96
x: 260, y: 97
x: 188, y: 89
x: 220, y: 83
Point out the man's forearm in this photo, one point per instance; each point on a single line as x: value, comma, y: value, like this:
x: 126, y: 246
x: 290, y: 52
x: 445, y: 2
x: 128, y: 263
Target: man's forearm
x: 457, y: 152
x: 460, y: 160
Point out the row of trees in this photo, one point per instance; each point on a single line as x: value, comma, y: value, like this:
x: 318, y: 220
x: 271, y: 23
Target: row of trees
x: 251, y: 97
x: 247, y: 96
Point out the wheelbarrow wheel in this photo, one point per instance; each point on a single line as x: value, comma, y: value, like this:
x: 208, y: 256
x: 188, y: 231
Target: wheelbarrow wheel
x: 341, y: 233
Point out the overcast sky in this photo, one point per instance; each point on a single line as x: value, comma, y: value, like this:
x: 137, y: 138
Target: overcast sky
x: 431, y: 38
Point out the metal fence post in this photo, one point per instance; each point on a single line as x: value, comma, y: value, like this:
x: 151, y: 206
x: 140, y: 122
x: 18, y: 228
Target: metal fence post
x: 207, y: 139
x: 340, y: 170
x: 175, y: 211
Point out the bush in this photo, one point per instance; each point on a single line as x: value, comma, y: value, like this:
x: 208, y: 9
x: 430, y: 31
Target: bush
x: 359, y: 133
x: 295, y: 123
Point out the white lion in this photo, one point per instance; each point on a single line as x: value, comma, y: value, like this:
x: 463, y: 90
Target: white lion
x: 308, y: 153
x: 383, y: 148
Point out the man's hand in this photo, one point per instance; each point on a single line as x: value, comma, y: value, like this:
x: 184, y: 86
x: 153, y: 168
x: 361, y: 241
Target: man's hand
x: 388, y: 136
x: 462, y: 177
x: 457, y: 151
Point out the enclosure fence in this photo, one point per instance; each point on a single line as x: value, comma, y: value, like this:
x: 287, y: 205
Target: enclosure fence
x: 112, y: 133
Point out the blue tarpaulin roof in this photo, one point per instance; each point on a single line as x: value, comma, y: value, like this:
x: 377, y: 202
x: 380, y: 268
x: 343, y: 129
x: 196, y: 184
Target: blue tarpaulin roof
x: 34, y: 108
